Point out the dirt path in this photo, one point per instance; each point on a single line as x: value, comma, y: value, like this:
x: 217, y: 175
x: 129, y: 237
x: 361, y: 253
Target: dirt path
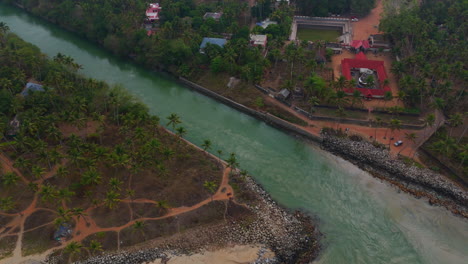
x: 8, y: 167
x: 86, y: 226
x: 368, y: 25
x: 382, y: 135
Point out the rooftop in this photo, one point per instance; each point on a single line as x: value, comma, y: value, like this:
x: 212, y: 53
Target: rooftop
x: 266, y: 23
x: 152, y: 13
x: 215, y: 16
x: 215, y: 41
x: 361, y: 61
x: 34, y: 87
x: 257, y: 40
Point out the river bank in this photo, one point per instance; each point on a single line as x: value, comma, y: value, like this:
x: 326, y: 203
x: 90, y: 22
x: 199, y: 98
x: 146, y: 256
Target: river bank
x: 285, y: 126
x: 420, y: 182
x: 267, y: 233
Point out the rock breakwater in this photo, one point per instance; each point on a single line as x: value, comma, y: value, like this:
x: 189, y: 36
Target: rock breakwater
x: 418, y: 181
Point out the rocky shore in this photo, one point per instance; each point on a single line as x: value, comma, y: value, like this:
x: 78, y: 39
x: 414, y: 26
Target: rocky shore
x: 290, y: 236
x: 417, y: 181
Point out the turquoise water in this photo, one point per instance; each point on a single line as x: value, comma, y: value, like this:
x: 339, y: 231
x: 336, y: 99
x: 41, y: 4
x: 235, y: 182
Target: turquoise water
x: 363, y: 220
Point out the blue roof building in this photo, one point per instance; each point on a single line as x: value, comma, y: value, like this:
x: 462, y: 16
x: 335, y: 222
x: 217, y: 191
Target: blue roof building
x: 31, y: 87
x: 215, y: 41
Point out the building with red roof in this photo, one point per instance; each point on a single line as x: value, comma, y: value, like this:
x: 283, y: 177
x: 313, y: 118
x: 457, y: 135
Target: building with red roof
x: 360, y: 62
x: 152, y: 13
x: 360, y: 45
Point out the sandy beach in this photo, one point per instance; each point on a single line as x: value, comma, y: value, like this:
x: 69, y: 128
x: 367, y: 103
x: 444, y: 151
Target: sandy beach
x: 232, y: 255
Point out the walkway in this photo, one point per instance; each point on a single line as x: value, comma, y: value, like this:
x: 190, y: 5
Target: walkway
x: 85, y: 225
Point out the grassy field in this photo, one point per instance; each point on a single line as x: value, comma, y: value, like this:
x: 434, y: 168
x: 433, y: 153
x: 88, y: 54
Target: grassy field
x: 317, y: 34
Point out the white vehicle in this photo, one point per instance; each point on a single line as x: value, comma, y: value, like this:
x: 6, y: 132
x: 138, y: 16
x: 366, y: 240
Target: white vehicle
x: 398, y: 143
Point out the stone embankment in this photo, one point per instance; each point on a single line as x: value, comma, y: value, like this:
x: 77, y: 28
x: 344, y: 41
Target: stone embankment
x: 418, y: 181
x: 291, y: 236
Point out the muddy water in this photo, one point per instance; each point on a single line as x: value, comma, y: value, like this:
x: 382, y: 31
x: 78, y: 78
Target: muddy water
x: 364, y: 220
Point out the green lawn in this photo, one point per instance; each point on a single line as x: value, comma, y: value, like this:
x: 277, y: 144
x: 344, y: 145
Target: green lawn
x: 317, y: 34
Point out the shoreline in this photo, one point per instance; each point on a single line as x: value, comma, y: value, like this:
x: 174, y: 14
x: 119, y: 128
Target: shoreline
x: 410, y: 179
x: 279, y: 235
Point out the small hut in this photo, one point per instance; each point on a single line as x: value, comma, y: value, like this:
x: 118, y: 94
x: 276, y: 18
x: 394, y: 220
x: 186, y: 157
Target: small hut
x: 63, y: 232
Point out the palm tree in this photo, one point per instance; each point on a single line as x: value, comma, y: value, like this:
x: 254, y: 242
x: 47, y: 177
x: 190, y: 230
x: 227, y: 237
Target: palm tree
x: 162, y: 205
x: 395, y: 124
x: 411, y: 137
x: 232, y: 161
x: 168, y: 153
x: 9, y: 179
x: 95, y: 246
x: 91, y: 177
x: 463, y: 154
x: 211, y: 187
x: 48, y: 193
x: 37, y: 171
x: 340, y: 83
x: 174, y: 120
x: 73, y: 248
x: 454, y: 121
x: 79, y: 212
x: 115, y: 184
x: 112, y: 198
x: 139, y: 226
x: 181, y: 132
x: 65, y: 194
x: 313, y: 101
x: 3, y: 31
x: 206, y: 145
x: 378, y: 123
x: 388, y: 96
x: 7, y: 204
x: 356, y: 97
x: 62, y: 172
x: 64, y: 213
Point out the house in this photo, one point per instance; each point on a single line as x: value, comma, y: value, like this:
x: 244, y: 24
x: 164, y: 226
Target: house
x: 62, y: 233
x: 31, y: 87
x: 283, y: 94
x: 215, y: 16
x: 264, y: 24
x: 214, y: 41
x: 152, y: 13
x: 258, y: 40
x: 14, y: 127
x: 379, y: 41
x: 360, y: 45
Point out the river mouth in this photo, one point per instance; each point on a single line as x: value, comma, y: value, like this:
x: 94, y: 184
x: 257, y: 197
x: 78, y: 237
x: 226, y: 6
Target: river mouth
x: 363, y: 220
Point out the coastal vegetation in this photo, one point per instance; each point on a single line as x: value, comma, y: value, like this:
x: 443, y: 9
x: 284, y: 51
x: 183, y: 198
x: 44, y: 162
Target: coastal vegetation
x: 84, y: 152
x: 86, y: 170
x: 430, y: 41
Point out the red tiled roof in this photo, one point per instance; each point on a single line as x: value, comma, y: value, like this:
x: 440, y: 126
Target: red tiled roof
x: 356, y: 44
x: 365, y: 44
x: 360, y: 43
x: 361, y: 61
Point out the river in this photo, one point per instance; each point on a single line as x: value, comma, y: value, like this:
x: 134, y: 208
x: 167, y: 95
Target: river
x: 363, y: 219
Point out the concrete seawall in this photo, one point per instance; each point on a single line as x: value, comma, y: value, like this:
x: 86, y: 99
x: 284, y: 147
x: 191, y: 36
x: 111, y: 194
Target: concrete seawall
x: 265, y: 117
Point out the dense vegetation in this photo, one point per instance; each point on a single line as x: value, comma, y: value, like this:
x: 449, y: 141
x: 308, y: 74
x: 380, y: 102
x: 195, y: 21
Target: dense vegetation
x: 324, y: 7
x: 119, y: 26
x: 431, y: 42
x: 83, y: 150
